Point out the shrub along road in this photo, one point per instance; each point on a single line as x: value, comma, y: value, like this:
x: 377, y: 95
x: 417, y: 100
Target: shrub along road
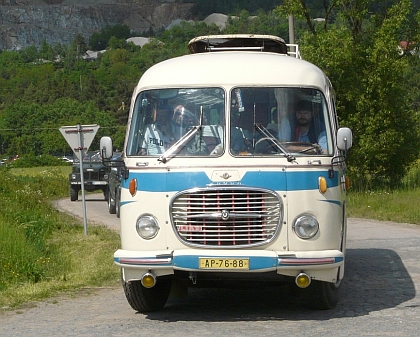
x: 379, y: 297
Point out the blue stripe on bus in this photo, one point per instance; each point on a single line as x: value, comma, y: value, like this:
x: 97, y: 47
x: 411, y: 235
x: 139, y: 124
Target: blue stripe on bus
x: 335, y: 202
x: 290, y: 181
x: 278, y: 181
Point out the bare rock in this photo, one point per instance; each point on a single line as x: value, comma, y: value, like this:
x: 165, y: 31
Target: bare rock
x: 28, y: 22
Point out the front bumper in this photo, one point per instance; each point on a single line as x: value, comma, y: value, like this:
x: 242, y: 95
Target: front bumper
x: 320, y: 265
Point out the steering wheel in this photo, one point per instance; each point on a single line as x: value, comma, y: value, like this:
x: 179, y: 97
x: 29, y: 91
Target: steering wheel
x: 266, y: 148
x: 307, y: 147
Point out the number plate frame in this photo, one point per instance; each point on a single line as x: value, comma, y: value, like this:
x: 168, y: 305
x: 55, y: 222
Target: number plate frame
x: 222, y: 263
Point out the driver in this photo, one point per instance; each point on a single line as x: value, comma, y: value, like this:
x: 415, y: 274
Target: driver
x: 305, y: 130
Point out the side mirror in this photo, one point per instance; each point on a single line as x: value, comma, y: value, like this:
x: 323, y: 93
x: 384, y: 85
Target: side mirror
x: 105, y: 146
x: 344, y: 139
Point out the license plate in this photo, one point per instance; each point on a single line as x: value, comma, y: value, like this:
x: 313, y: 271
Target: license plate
x: 223, y: 263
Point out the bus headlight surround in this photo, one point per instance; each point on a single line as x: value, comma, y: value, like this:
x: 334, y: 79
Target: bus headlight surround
x: 306, y: 226
x: 147, y: 226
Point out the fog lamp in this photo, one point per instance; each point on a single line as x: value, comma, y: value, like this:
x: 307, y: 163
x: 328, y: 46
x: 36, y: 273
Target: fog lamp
x: 303, y: 280
x: 148, y: 280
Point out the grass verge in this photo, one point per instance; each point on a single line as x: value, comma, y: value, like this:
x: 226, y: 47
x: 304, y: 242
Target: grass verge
x: 71, y: 261
x: 44, y: 252
x: 401, y: 206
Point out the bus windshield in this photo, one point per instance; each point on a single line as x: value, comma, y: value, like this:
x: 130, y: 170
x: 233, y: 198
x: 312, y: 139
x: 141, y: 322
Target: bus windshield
x: 275, y: 120
x: 163, y: 117
x: 264, y: 121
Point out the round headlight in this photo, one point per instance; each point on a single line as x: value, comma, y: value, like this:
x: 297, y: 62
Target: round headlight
x: 147, y: 226
x: 306, y: 226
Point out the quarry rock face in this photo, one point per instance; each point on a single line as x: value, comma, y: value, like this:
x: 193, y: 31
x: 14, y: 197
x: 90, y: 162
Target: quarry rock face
x: 25, y: 23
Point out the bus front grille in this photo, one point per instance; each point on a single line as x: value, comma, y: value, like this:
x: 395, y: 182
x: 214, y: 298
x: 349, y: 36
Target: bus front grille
x: 226, y: 217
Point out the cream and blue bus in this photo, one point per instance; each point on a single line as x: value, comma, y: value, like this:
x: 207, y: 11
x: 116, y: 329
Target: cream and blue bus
x: 234, y: 173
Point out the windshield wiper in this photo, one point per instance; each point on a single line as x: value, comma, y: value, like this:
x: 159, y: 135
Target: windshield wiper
x: 290, y: 158
x: 174, y: 149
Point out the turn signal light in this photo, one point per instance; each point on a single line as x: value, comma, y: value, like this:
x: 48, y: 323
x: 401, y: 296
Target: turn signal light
x: 347, y: 182
x: 322, y: 184
x: 133, y: 187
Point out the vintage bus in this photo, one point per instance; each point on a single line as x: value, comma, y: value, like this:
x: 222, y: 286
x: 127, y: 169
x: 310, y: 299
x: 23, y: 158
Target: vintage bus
x: 234, y: 173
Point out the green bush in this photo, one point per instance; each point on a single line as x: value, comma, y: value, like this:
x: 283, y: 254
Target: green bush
x: 412, y: 178
x: 362, y: 182
x: 30, y: 160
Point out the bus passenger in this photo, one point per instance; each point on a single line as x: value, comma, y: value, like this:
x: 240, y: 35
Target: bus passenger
x: 158, y: 135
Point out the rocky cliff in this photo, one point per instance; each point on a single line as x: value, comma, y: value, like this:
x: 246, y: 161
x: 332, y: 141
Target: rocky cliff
x: 28, y: 22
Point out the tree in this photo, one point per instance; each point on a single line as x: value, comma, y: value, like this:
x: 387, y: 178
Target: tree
x: 80, y: 43
x: 99, y: 41
x: 30, y: 54
x: 32, y: 128
x: 369, y: 76
x: 114, y: 43
x: 46, y: 52
x: 261, y: 24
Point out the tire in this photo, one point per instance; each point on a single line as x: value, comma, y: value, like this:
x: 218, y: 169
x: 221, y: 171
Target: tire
x: 74, y: 193
x: 117, y: 202
x: 144, y: 299
x: 322, y: 295
x: 106, y: 193
x: 111, y: 204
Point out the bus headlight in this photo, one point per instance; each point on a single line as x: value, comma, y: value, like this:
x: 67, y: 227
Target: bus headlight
x: 147, y: 226
x: 306, y: 226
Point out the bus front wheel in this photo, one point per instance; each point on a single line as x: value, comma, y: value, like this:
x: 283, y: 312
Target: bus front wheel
x: 322, y: 295
x: 144, y: 299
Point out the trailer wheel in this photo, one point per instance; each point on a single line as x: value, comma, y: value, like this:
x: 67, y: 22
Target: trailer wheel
x: 111, y: 203
x: 74, y: 193
x: 144, y: 299
x: 322, y: 295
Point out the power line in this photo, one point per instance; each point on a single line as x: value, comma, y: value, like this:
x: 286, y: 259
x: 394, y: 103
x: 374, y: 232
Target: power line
x: 56, y: 128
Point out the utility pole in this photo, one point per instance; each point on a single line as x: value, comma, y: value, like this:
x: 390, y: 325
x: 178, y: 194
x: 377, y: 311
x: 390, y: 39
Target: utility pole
x: 291, y: 29
x: 292, y: 34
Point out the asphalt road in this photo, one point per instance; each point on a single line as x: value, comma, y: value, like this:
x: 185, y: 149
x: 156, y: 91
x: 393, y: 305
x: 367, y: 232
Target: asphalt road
x: 379, y: 297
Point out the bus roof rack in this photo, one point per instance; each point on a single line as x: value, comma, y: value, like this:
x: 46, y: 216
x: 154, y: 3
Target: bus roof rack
x: 244, y: 42
x: 293, y: 50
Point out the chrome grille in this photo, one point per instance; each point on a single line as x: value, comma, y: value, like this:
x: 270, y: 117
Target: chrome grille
x: 226, y: 217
